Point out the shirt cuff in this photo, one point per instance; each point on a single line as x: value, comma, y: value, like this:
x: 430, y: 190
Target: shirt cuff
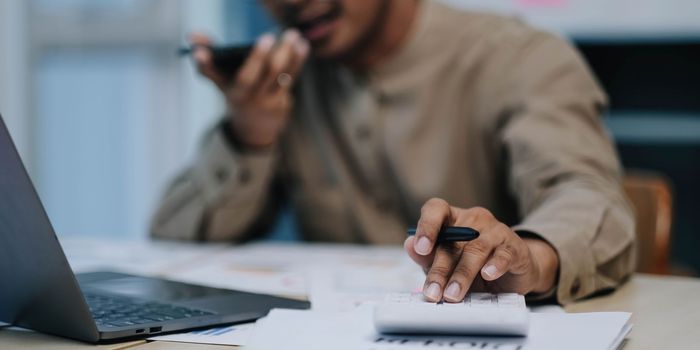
x: 577, y: 267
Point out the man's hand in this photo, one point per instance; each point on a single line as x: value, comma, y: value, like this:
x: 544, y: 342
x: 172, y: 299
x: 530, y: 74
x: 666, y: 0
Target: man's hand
x: 258, y: 97
x: 499, y: 261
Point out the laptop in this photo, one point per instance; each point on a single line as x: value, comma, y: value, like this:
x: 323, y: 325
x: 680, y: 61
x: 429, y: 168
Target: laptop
x: 40, y: 292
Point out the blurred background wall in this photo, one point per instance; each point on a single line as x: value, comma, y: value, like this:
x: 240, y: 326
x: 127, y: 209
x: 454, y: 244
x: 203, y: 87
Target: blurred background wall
x: 102, y: 109
x: 104, y: 112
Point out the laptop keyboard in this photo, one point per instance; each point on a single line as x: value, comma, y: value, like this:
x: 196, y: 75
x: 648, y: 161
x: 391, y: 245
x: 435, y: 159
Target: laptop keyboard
x: 113, y: 311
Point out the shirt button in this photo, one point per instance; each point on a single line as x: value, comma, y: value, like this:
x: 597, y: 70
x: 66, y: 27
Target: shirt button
x: 575, y: 287
x: 221, y: 174
x: 383, y: 98
x: 363, y: 132
x: 243, y: 175
x: 293, y: 180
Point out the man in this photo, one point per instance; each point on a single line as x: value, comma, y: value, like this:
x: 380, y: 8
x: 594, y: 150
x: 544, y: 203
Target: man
x: 409, y: 110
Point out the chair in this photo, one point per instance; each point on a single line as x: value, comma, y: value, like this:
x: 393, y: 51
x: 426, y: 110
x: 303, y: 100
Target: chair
x: 651, y: 197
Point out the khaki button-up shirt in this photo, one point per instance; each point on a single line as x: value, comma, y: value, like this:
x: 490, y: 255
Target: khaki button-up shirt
x: 476, y: 109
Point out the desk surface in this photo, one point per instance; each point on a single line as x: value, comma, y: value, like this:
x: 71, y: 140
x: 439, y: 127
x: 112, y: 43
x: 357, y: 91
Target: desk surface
x: 665, y: 311
x: 666, y: 314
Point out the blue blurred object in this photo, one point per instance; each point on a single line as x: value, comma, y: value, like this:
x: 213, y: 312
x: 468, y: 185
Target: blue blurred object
x: 285, y: 229
x: 257, y: 21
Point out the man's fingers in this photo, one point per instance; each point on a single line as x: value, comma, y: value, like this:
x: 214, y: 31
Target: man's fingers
x: 473, y: 257
x: 475, y: 253
x: 199, y: 39
x: 423, y: 260
x: 249, y: 76
x: 203, y: 59
x: 281, y: 61
x: 446, y: 257
x: 296, y: 50
x: 477, y: 218
x: 301, y: 49
x: 434, y: 214
x: 510, y: 255
x: 458, y: 268
x: 499, y: 263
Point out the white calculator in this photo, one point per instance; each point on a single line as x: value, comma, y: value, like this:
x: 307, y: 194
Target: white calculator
x: 478, y: 314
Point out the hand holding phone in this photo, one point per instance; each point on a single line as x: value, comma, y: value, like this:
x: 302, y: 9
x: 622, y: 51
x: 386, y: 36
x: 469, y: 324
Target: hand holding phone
x: 256, y: 81
x: 226, y: 59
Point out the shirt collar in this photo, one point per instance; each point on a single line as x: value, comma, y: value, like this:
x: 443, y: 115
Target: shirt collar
x: 391, y: 77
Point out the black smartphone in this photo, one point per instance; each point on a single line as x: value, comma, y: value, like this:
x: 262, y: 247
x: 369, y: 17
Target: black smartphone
x: 227, y: 59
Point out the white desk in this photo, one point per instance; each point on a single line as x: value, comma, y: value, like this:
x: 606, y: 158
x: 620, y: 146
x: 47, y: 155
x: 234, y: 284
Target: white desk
x: 666, y: 312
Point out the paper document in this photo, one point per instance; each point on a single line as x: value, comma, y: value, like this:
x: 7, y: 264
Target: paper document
x: 341, y: 276
x: 311, y: 330
x: 332, y: 276
x: 230, y: 335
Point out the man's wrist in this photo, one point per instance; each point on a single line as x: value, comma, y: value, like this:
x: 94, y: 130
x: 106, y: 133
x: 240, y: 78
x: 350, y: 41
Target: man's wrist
x: 547, y: 262
x: 227, y: 128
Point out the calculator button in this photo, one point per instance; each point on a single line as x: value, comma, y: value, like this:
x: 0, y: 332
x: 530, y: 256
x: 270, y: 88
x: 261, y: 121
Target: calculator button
x: 479, y: 313
x: 481, y: 299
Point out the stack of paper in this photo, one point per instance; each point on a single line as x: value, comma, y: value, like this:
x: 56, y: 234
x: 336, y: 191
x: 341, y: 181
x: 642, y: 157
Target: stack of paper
x: 333, y: 277
x: 229, y: 335
x: 353, y: 330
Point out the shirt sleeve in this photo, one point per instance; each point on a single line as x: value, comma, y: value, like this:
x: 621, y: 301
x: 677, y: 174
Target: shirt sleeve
x: 563, y: 167
x: 220, y: 196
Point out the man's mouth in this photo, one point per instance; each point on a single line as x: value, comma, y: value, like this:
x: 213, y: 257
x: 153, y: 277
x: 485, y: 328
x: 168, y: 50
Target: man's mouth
x: 320, y: 26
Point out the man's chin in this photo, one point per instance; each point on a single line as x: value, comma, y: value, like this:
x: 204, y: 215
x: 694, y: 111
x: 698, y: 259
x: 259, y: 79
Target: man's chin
x: 329, y: 51
x: 324, y: 49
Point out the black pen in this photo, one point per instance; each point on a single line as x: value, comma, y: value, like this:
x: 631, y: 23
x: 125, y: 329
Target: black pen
x: 452, y: 234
